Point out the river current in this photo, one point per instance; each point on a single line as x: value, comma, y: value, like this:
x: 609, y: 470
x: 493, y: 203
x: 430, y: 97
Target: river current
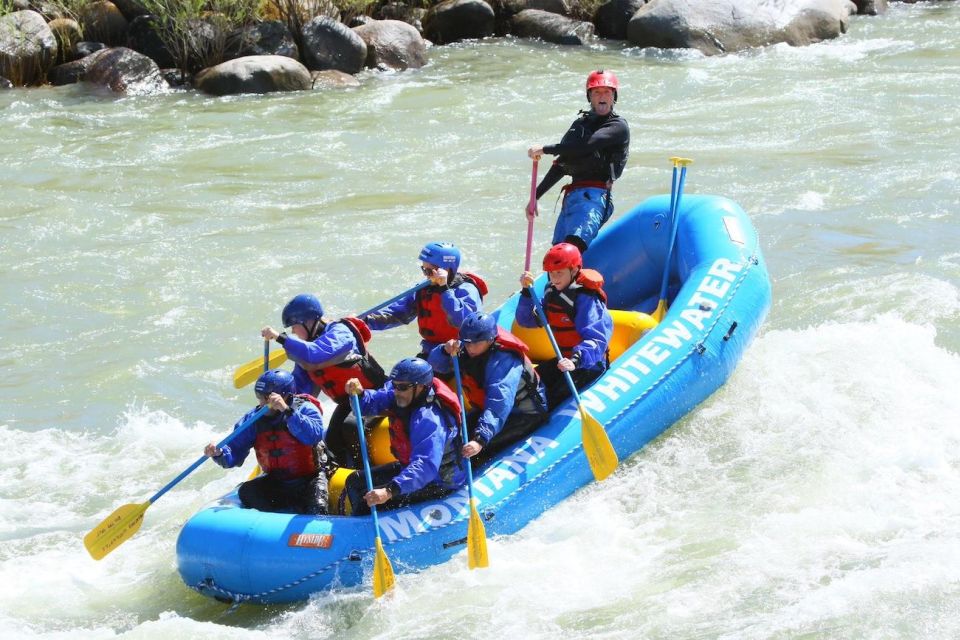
x: 144, y: 241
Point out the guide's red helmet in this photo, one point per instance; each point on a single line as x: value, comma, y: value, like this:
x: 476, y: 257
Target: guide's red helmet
x: 601, y: 78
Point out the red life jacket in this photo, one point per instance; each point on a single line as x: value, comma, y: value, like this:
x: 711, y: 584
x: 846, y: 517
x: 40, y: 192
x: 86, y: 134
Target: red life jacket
x: 474, y: 370
x: 431, y: 318
x: 560, y: 307
x: 332, y: 379
x: 278, y: 452
x: 400, y: 443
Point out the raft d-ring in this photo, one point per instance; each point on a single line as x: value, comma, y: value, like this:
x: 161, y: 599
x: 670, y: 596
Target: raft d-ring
x: 733, y: 327
x: 488, y: 516
x: 701, y: 349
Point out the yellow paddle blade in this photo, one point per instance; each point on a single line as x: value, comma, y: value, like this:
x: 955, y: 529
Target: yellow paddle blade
x: 382, y: 571
x: 660, y: 311
x: 256, y: 472
x: 476, y: 540
x: 597, y: 446
x: 114, y: 531
x: 248, y: 373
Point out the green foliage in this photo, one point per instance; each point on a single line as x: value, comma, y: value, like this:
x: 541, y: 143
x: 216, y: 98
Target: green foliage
x: 196, y: 31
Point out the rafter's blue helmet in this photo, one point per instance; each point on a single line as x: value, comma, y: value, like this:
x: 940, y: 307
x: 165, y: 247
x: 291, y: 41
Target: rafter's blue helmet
x: 443, y: 254
x: 275, y: 381
x: 477, y: 327
x: 414, y: 370
x: 301, y: 310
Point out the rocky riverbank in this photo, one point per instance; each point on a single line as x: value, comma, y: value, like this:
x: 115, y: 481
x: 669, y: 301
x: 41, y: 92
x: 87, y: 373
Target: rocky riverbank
x: 120, y: 46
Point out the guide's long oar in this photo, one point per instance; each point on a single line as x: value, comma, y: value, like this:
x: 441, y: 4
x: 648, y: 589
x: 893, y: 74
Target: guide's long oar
x: 382, y: 569
x: 531, y: 214
x: 120, y: 525
x: 266, y: 367
x: 596, y: 442
x: 247, y: 373
x: 676, y: 190
x: 476, y: 533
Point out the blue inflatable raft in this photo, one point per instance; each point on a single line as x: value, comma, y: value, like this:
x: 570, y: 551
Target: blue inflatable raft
x: 719, y: 296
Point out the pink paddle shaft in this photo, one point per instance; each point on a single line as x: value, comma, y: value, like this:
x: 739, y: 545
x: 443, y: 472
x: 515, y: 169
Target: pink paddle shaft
x: 532, y: 207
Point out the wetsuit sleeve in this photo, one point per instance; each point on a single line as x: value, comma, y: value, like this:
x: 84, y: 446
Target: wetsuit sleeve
x: 306, y: 424
x: 330, y: 347
x: 553, y: 176
x: 613, y: 132
x: 440, y: 360
x: 502, y: 380
x: 460, y: 302
x: 401, y: 312
x: 427, y: 440
x: 526, y: 315
x: 595, y: 326
x: 236, y: 452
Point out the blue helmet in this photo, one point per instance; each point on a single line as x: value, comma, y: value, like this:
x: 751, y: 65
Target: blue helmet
x: 442, y: 254
x: 416, y: 370
x: 302, y: 309
x: 275, y: 381
x: 477, y: 327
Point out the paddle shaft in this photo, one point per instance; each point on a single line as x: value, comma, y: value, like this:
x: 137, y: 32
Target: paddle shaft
x: 556, y: 347
x: 355, y: 403
x: 463, y: 423
x: 413, y: 289
x: 674, y: 220
x: 246, y: 423
x: 531, y: 214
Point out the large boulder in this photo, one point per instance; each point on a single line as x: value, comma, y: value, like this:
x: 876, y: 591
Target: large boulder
x: 103, y: 22
x: 254, y: 74
x: 125, y: 72
x: 28, y: 47
x: 403, y: 12
x: 330, y: 44
x: 612, y: 18
x: 68, y: 33
x: 392, y: 44
x: 550, y: 27
x: 722, y: 26
x: 333, y: 79
x: 455, y: 20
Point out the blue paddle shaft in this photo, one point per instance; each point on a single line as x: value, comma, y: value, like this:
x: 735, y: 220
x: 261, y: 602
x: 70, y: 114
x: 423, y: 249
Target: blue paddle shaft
x: 553, y: 341
x: 463, y: 422
x: 675, y: 192
x: 355, y: 404
x: 249, y: 421
x: 413, y: 289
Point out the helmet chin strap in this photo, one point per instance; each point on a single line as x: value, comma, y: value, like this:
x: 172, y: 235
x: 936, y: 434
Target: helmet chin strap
x: 313, y: 331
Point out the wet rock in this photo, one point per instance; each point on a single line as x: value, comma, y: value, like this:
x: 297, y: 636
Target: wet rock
x: 103, y: 22
x: 455, y: 20
x: 271, y: 38
x: 28, y: 48
x: 329, y: 44
x: 125, y: 72
x: 254, y: 74
x: 68, y: 34
x: 392, y: 44
x: 332, y: 78
x: 550, y: 27
x: 612, y: 18
x: 720, y: 26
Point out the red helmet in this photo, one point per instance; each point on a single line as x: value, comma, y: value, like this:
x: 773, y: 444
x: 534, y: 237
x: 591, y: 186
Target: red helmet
x: 562, y: 256
x: 601, y: 78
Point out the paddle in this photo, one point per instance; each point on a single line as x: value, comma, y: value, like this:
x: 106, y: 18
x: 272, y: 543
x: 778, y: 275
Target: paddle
x: 249, y: 372
x: 382, y: 569
x: 266, y: 367
x: 675, y: 192
x: 120, y: 525
x: 596, y: 442
x: 476, y: 534
x: 531, y: 214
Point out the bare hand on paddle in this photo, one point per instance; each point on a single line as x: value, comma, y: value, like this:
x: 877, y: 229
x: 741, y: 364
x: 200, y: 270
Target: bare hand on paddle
x: 377, y: 496
x: 471, y: 449
x: 269, y: 333
x: 526, y: 280
x: 452, y: 347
